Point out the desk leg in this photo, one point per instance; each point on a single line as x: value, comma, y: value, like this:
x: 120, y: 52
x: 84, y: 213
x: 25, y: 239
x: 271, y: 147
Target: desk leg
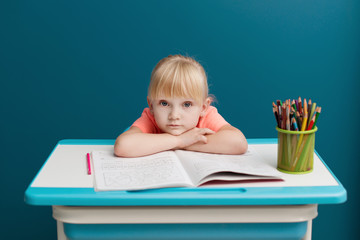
x: 60, y: 231
x: 308, y: 232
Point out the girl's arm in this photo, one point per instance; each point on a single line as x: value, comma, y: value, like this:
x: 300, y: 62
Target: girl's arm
x: 135, y: 143
x: 228, y: 140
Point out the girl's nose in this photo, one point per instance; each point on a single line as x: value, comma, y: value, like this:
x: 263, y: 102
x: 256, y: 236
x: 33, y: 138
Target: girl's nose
x: 174, y: 114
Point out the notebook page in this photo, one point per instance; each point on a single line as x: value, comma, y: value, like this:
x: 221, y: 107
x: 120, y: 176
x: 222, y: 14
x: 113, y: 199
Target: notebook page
x: 154, y: 171
x: 200, y: 165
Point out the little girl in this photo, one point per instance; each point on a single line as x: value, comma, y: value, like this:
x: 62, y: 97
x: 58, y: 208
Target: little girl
x: 179, y: 115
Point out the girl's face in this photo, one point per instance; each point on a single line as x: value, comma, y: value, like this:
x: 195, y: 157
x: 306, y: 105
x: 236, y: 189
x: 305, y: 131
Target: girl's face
x: 176, y: 115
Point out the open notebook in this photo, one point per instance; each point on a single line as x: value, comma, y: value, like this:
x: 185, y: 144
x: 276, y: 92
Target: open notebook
x: 177, y: 169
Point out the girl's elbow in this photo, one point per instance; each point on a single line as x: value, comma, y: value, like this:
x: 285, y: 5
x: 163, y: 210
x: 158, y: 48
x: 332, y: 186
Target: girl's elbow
x: 121, y: 151
x: 241, y: 144
x: 120, y: 148
x: 243, y: 147
x: 126, y: 149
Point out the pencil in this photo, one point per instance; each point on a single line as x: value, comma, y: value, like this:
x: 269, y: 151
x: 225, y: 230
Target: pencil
x: 318, y: 111
x: 88, y: 163
x: 313, y: 107
x: 303, y: 127
x: 276, y: 116
x: 298, y: 119
x: 287, y: 111
x: 300, y: 107
x: 304, y: 121
x: 279, y: 108
x: 283, y: 117
x: 295, y: 126
x: 288, y: 124
x: 311, y: 123
x: 294, y: 105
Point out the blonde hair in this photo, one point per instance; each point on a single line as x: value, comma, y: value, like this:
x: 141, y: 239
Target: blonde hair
x: 178, y: 76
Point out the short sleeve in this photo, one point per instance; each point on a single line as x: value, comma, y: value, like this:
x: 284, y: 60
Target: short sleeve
x: 146, y: 122
x: 212, y: 120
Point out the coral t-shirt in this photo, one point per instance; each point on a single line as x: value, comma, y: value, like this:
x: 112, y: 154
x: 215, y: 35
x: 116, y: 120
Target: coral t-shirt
x: 212, y: 120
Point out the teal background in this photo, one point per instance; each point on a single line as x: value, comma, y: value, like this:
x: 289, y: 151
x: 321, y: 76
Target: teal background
x: 80, y: 69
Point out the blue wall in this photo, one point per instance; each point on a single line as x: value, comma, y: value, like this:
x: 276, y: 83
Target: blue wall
x: 80, y: 69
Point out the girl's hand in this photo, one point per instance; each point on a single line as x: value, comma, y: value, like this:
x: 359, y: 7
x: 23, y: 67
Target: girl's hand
x: 193, y: 136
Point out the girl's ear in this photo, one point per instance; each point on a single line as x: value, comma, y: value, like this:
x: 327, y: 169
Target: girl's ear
x: 150, y: 106
x: 205, y: 106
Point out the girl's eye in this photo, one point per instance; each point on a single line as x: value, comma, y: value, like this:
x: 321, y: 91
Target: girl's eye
x: 163, y: 103
x: 187, y: 104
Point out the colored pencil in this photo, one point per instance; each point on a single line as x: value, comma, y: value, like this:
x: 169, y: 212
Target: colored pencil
x: 276, y: 116
x: 311, y: 123
x: 304, y: 121
x: 298, y: 118
x: 288, y: 124
x: 294, y: 124
x: 294, y: 105
x: 318, y: 111
x: 300, y: 107
x: 283, y: 117
x: 313, y: 107
x: 88, y: 163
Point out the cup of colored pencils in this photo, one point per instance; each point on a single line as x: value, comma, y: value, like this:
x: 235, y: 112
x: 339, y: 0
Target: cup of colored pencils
x: 296, y: 126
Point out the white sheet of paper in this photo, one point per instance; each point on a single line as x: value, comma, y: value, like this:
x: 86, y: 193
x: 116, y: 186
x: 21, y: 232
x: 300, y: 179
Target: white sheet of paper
x: 114, y: 173
x: 199, y: 165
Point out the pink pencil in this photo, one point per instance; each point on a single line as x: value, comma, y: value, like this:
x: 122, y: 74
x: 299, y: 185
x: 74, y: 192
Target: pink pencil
x: 88, y: 163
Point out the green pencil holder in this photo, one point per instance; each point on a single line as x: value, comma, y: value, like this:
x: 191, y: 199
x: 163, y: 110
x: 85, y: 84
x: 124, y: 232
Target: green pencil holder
x: 296, y: 151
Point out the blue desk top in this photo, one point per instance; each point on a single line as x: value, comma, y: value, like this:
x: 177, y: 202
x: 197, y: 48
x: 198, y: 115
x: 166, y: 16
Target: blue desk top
x: 276, y: 194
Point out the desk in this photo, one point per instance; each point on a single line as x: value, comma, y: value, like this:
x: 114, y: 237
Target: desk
x: 260, y: 210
